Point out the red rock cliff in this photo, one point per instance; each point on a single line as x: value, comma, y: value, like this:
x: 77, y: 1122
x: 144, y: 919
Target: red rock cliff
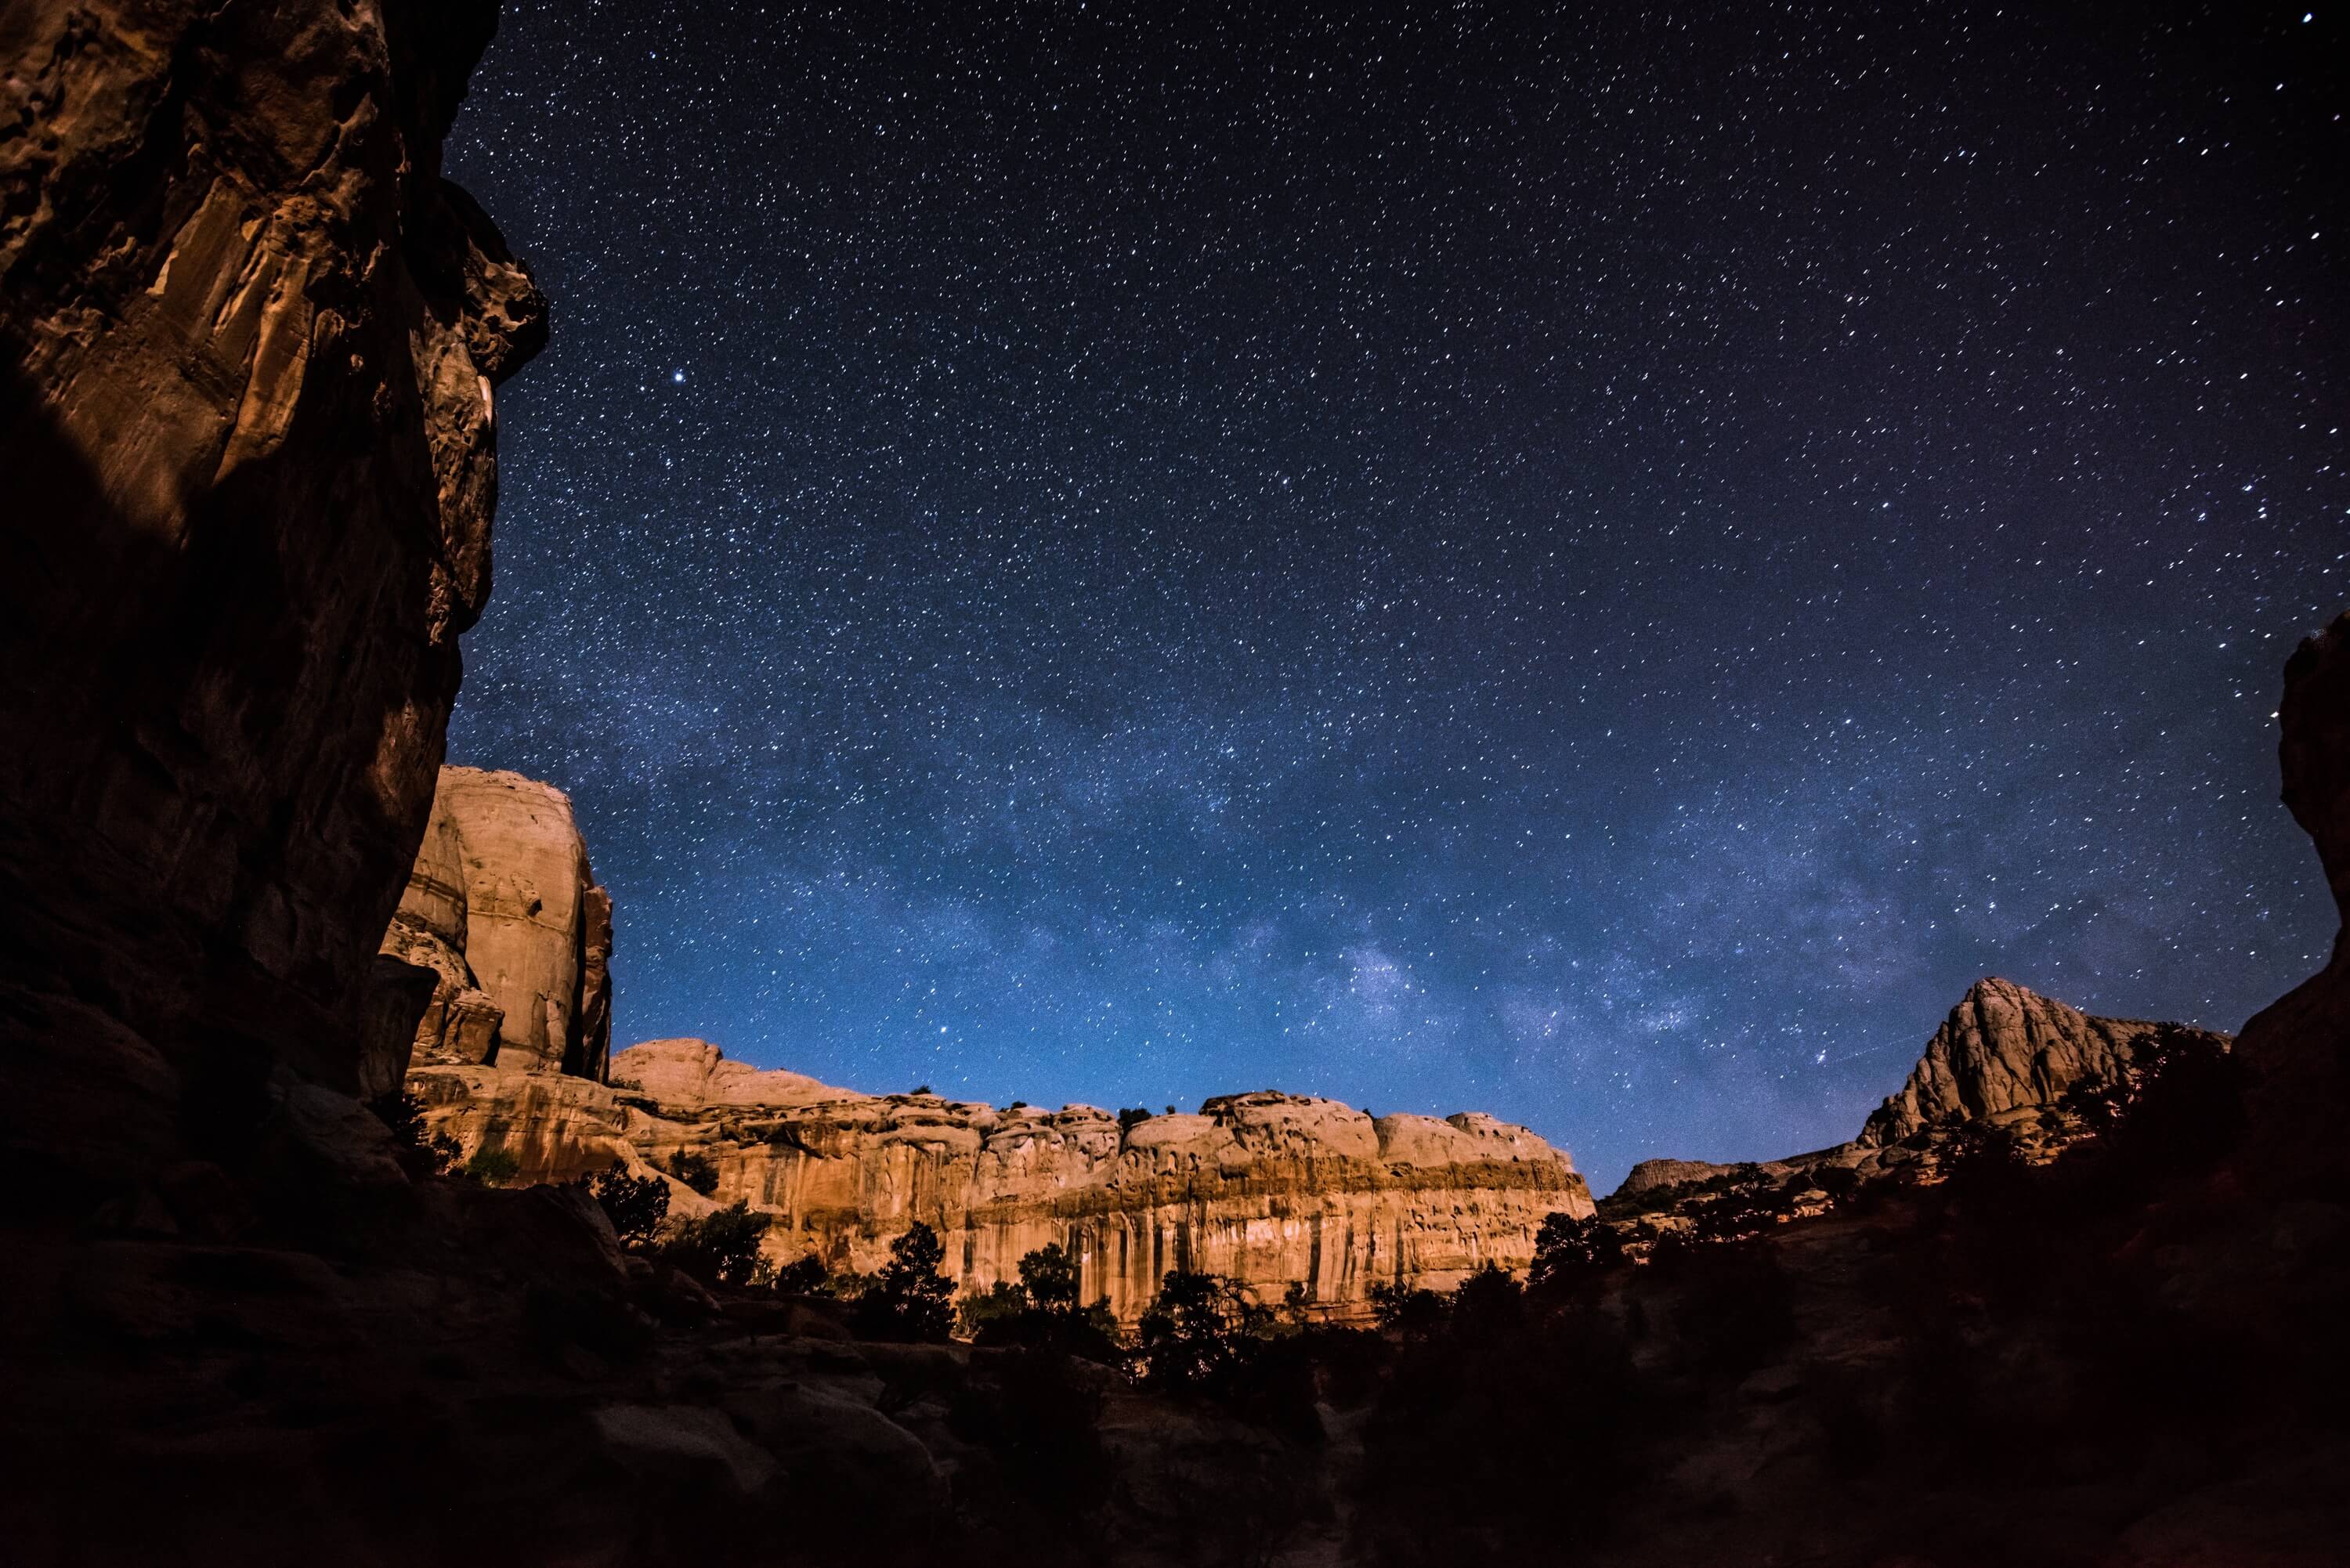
x: 248, y: 336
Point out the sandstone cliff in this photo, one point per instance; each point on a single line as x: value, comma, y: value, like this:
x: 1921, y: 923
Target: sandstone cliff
x: 247, y: 341
x: 1268, y: 1188
x: 2003, y: 1049
x: 504, y: 911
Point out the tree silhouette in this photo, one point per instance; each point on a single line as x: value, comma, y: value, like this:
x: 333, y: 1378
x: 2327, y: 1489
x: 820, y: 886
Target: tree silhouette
x: 910, y: 1301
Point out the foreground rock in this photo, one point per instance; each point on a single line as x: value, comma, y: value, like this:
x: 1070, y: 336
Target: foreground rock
x: 247, y: 341
x: 503, y: 910
x: 2298, y: 1048
x: 1267, y: 1188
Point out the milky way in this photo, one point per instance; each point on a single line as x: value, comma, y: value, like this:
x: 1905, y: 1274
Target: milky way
x: 1600, y: 568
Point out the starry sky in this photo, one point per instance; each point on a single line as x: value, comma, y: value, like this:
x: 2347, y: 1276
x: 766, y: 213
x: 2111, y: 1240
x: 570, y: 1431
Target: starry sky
x: 1599, y: 562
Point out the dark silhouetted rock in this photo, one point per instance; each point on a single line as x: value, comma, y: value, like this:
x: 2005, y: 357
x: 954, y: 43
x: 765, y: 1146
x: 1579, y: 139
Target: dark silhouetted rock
x: 247, y: 341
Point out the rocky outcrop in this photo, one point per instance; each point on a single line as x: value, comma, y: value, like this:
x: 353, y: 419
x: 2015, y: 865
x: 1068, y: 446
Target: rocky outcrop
x: 2003, y: 1049
x: 1268, y: 1188
x: 247, y: 341
x: 2297, y: 1050
x: 504, y: 911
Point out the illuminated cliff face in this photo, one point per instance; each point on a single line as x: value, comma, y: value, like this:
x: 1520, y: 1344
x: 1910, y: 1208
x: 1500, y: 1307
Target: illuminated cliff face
x: 1269, y: 1189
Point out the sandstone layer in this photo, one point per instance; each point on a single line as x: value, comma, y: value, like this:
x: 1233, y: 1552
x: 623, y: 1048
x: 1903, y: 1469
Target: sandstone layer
x: 1269, y: 1189
x: 248, y: 335
x: 504, y: 911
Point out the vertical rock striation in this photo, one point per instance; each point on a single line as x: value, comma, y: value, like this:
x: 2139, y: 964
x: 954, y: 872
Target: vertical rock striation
x: 504, y: 911
x: 1269, y: 1189
x: 248, y: 335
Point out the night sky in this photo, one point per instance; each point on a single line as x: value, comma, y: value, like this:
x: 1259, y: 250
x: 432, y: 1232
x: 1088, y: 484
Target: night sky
x: 1597, y: 563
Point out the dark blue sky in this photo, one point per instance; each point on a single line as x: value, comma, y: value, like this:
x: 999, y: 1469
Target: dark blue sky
x: 1600, y: 568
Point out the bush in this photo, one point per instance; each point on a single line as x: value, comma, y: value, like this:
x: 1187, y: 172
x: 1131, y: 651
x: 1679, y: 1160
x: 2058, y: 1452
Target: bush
x: 1570, y: 1253
x: 421, y: 1152
x: 719, y: 1249
x: 910, y: 1301
x: 493, y: 1165
x: 1132, y: 1118
x: 804, y: 1275
x: 1001, y: 1302
x: 636, y: 1205
x: 698, y: 1171
x: 1193, y: 1333
x: 1041, y: 1311
x: 1401, y: 1309
x: 1049, y: 1276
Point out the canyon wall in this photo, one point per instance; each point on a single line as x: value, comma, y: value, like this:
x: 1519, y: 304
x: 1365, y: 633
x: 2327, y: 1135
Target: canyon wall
x: 1269, y: 1189
x: 504, y: 913
x: 248, y: 335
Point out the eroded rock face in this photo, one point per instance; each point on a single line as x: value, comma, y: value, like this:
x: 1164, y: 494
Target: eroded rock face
x: 247, y: 341
x: 2003, y: 1049
x: 1267, y: 1188
x: 503, y: 911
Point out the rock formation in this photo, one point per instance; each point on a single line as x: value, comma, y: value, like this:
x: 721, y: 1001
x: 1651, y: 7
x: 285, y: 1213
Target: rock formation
x: 2005, y: 1058
x: 1267, y: 1188
x: 502, y: 909
x: 2003, y: 1049
x: 248, y: 335
x: 2297, y: 1049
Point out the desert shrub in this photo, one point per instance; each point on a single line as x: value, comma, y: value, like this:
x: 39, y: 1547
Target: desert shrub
x: 1402, y: 1308
x: 636, y: 1205
x: 911, y: 1300
x: 421, y: 1152
x: 698, y: 1171
x: 804, y: 1275
x: 1193, y: 1333
x: 1570, y: 1253
x: 1049, y: 1277
x: 721, y: 1248
x: 1132, y: 1118
x: 1001, y: 1302
x: 493, y: 1165
x: 1042, y: 1313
